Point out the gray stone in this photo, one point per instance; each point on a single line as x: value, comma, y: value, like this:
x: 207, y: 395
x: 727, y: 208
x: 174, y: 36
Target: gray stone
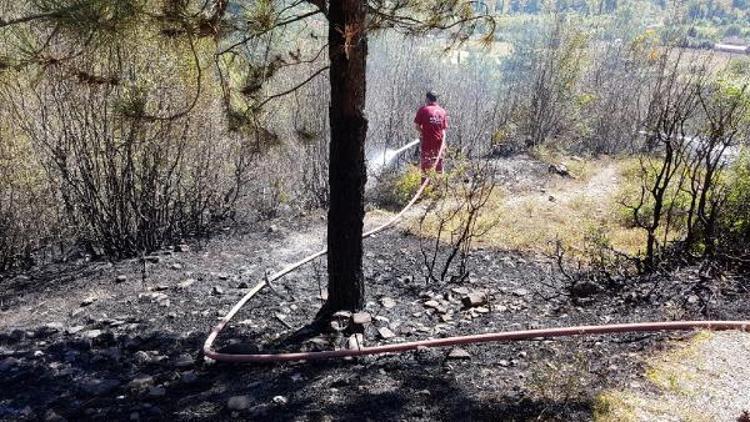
x: 386, y: 333
x: 154, y: 259
x: 176, y: 266
x: 8, y: 363
x: 238, y: 402
x: 474, y: 299
x: 242, y: 285
x: 280, y: 400
x: 356, y: 341
x: 185, y: 284
x: 92, y: 334
x: 141, y: 382
x: 142, y: 357
x: 189, y: 377
x: 361, y: 318
x: 559, y: 169
x: 99, y: 387
x: 157, y: 391
x: 121, y: 278
x: 184, y: 361
x: 434, y: 304
x: 217, y: 291
x: 88, y: 301
x: 458, y: 353
x: 387, y: 302
x: 520, y: 292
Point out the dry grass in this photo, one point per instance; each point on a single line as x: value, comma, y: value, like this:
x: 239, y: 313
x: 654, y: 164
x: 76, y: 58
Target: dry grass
x: 567, y: 209
x: 705, y: 380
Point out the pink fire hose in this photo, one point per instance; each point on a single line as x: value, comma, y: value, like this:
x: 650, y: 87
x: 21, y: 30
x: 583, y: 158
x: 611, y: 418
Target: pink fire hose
x: 441, y: 342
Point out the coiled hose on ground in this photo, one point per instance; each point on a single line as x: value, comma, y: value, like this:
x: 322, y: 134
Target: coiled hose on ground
x: 441, y: 342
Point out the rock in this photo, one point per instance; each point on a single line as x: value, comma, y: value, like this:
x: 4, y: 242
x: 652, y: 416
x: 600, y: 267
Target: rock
x: 189, y: 377
x: 382, y: 319
x: 141, y: 382
x: 520, y: 292
x: 280, y: 400
x: 217, y: 291
x: 121, y: 278
x: 361, y: 318
x: 184, y: 361
x: 386, y: 333
x: 559, y: 169
x: 160, y: 288
x: 185, y: 284
x: 88, y: 301
x: 51, y: 416
x: 159, y: 298
x: 585, y: 288
x: 74, y: 329
x: 242, y: 285
x: 182, y: 247
x: 8, y: 363
x: 458, y: 353
x: 460, y: 290
x: 273, y: 228
x: 71, y: 356
x: 222, y: 276
x: 38, y: 354
x: 504, y: 363
x: 142, y: 357
x: 387, y: 302
x: 176, y: 266
x: 157, y: 391
x: 432, y: 304
x: 238, y: 402
x: 154, y: 259
x: 99, y: 387
x: 474, y: 299
x: 92, y: 334
x: 356, y: 341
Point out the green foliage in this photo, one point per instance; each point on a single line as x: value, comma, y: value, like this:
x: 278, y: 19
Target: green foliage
x: 736, y: 215
x: 395, y: 189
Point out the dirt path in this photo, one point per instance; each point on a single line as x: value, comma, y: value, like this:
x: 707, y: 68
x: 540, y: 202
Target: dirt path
x: 705, y: 379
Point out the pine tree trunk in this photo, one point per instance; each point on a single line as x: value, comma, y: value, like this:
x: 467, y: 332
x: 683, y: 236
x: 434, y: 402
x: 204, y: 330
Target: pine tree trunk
x: 347, y: 176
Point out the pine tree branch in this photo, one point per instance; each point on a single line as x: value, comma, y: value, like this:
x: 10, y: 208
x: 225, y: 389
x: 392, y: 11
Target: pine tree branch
x: 291, y: 90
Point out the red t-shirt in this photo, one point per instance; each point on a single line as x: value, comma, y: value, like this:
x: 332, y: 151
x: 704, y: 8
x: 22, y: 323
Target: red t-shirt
x: 433, y: 120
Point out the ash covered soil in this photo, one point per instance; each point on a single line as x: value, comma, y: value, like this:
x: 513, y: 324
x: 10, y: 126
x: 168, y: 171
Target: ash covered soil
x: 97, y: 340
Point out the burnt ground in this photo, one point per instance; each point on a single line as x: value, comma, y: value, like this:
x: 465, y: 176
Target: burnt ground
x: 108, y: 340
x: 73, y: 339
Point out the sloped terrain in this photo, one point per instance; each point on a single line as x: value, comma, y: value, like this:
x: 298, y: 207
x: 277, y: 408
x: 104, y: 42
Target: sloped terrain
x: 76, y: 343
x: 122, y: 340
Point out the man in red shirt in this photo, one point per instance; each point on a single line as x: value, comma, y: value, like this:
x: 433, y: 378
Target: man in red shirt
x: 431, y: 121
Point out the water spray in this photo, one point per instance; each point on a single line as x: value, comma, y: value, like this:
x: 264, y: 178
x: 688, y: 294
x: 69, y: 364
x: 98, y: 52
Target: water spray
x: 384, y: 159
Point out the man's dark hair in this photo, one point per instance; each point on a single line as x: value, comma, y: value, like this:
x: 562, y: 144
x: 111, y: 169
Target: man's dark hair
x: 431, y: 96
